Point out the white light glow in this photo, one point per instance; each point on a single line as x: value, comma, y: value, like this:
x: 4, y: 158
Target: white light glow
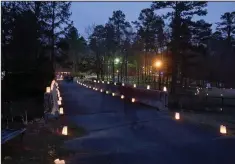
x: 107, y: 92
x: 164, y: 89
x: 177, y: 116
x: 48, y: 89
x: 134, y: 85
x: 108, y: 82
x: 61, y: 110
x: 59, y: 102
x: 122, y: 96
x: 60, y: 98
x: 148, y: 86
x: 133, y: 100
x: 123, y: 84
x: 65, y: 131
x: 114, y: 83
x: 101, y: 90
x: 113, y: 94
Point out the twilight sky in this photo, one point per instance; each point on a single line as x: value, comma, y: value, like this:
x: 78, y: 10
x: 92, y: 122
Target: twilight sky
x: 87, y: 13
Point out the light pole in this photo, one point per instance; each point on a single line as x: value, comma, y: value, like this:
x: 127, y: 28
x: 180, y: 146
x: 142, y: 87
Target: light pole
x: 158, y: 65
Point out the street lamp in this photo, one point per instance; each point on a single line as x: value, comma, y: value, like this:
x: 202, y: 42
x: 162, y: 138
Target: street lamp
x: 158, y: 65
x: 117, y: 60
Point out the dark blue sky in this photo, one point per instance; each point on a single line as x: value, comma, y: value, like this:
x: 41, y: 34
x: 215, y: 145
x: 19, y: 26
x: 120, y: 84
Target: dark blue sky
x: 87, y: 13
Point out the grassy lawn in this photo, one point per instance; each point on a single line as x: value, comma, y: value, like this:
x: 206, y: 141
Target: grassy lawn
x: 42, y: 143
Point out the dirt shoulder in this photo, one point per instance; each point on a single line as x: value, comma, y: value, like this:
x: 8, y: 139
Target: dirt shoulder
x: 42, y: 143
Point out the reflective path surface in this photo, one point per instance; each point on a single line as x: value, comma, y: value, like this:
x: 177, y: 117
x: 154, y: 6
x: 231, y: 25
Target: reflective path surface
x: 121, y: 132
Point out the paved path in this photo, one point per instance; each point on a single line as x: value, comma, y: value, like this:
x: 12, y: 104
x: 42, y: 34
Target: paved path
x: 124, y: 133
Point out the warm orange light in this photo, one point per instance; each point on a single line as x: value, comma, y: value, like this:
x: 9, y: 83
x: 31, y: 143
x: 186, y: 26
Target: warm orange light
x: 58, y: 161
x: 158, y: 63
x: 60, y: 98
x: 223, y: 129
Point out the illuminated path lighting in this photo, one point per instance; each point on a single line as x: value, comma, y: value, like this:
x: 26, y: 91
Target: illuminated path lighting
x: 114, y: 83
x: 61, y: 110
x: 108, y: 82
x: 107, y: 92
x: 58, y: 161
x: 123, y: 84
x: 59, y: 102
x: 148, y: 86
x: 122, y: 96
x: 101, y: 90
x: 133, y: 100
x: 60, y: 98
x: 48, y: 89
x: 223, y: 129
x: 65, y: 131
x: 164, y: 89
x: 134, y: 85
x: 113, y: 94
x: 177, y: 116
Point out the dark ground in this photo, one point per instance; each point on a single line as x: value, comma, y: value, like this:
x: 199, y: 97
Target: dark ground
x: 122, y: 132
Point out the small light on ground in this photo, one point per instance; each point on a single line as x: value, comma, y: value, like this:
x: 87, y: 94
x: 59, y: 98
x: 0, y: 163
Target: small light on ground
x: 101, y: 90
x: 108, y: 82
x: 134, y: 86
x: 65, y: 131
x: 164, y: 89
x: 58, y: 161
x: 207, y: 94
x: 95, y: 81
x: 221, y: 94
x: 223, y: 129
x: 177, y: 116
x: 98, y: 81
x: 114, y: 83
x: 122, y: 96
x: 148, y: 86
x: 60, y: 98
x: 102, y: 81
x: 107, y: 92
x: 123, y: 84
x: 59, y: 102
x: 133, y: 100
x: 113, y: 94
x: 48, y: 89
x: 61, y: 110
x: 221, y: 109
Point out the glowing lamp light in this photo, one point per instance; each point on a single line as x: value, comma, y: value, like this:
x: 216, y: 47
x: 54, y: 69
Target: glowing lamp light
x: 96, y: 89
x: 48, y: 89
x: 108, y: 82
x: 95, y: 81
x: 148, y: 86
x: 133, y: 100
x: 123, y: 84
x: 223, y: 129
x: 101, y: 90
x: 134, y: 85
x: 207, y: 94
x: 103, y: 82
x: 221, y: 94
x: 107, y: 92
x: 61, y: 110
x: 113, y: 94
x: 164, y: 89
x: 65, y: 131
x: 60, y: 98
x: 114, y: 83
x: 58, y: 161
x: 177, y: 116
x: 98, y: 81
x: 122, y: 96
x: 59, y: 102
